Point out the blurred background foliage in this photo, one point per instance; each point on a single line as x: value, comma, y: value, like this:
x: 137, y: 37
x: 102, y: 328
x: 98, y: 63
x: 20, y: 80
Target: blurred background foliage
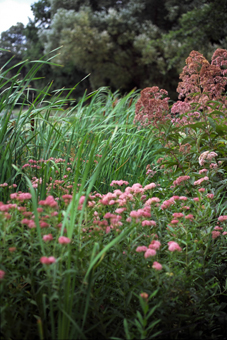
x: 121, y: 44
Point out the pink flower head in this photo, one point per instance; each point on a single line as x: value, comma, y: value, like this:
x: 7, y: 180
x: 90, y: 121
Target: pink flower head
x: 201, y: 180
x: 174, y: 246
x: 186, y: 207
x: 215, y: 234
x: 52, y: 259
x: 174, y: 221
x: 157, y: 265
x: 67, y: 197
x: 150, y: 186
x: 152, y: 200
x: 218, y: 228
x: 25, y: 166
x: 48, y: 237
x: 167, y: 204
x: 44, y: 224
x: 140, y: 249
x: 175, y: 198
x: 135, y: 214
x: 111, y: 202
x: 183, y: 198
x: 213, y: 166
x: 121, y: 182
x: 202, y: 171
x: 29, y: 223
x: 108, y: 230
x: 154, y: 245
x: 148, y: 223
x: 149, y: 252
x: 202, y: 189
x: 64, y: 240
x: 12, y: 249
x: 189, y: 217
x: 206, y: 155
x: 47, y: 260
x: 24, y: 196
x: 120, y: 210
x: 2, y: 274
x: 211, y: 196
x: 81, y: 200
x: 109, y: 215
x: 49, y: 201
x: 178, y: 215
x: 4, y: 185
x: 222, y: 218
x: 196, y: 199
x: 137, y: 188
x: 144, y: 296
x: 13, y: 196
x: 180, y: 179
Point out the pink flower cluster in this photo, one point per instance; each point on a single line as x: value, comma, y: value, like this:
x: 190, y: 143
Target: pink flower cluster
x: 21, y: 196
x: 206, y: 155
x: 49, y: 201
x: 150, y: 186
x: 151, y: 250
x: 47, y: 260
x: 7, y: 207
x: 178, y: 215
x: 201, y: 180
x: 166, y: 204
x: 2, y: 274
x: 144, y: 296
x: 48, y: 237
x: 64, y: 240
x: 156, y: 265
x: 222, y: 218
x: 141, y: 212
x: 152, y: 200
x: 180, y: 179
x: 120, y: 183
x: 29, y: 223
x: 215, y: 234
x: 207, y: 80
x: 174, y: 246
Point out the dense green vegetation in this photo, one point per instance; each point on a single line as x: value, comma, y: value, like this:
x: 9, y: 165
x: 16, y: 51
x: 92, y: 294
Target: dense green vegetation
x: 113, y: 210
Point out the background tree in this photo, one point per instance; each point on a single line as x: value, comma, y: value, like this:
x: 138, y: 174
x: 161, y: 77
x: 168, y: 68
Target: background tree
x: 115, y: 43
x: 197, y: 25
x: 122, y: 44
x: 65, y: 76
x: 14, y: 41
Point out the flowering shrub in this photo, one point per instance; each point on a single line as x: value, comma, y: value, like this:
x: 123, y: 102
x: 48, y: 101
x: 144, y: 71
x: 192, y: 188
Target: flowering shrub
x: 162, y: 225
x: 201, y: 84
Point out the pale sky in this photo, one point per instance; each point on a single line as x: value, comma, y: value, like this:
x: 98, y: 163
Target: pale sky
x: 13, y: 11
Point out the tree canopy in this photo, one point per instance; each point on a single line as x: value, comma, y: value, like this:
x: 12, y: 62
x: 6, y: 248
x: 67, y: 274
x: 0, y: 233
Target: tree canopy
x: 121, y: 44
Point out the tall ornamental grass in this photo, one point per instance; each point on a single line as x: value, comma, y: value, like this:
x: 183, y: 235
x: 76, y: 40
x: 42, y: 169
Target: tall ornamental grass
x: 113, y: 211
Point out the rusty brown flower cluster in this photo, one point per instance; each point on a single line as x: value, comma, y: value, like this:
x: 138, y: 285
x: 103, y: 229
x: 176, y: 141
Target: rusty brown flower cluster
x: 152, y: 107
x: 202, y: 81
